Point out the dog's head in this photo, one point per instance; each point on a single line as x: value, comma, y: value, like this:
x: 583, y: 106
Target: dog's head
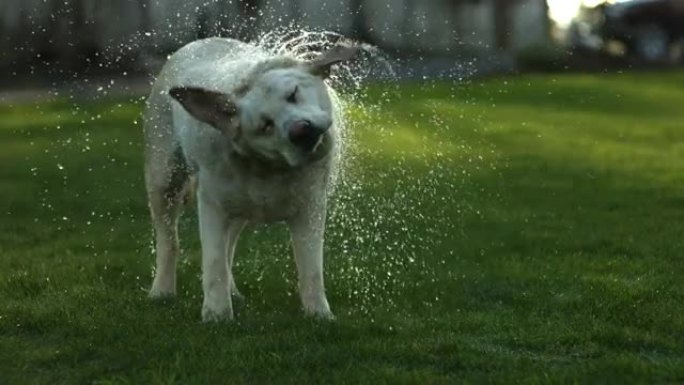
x: 282, y: 115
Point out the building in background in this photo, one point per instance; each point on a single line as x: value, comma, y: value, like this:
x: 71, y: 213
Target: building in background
x: 120, y: 33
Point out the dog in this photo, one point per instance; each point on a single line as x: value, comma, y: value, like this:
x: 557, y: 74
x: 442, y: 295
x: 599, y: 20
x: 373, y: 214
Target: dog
x: 258, y: 134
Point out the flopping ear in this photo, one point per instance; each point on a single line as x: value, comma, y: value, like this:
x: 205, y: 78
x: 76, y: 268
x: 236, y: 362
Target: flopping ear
x: 320, y: 66
x: 214, y: 108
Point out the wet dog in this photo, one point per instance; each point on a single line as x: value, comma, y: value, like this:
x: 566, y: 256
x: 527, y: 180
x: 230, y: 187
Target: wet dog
x: 258, y: 135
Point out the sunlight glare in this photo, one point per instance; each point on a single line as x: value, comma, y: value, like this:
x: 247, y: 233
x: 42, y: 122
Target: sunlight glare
x: 564, y: 11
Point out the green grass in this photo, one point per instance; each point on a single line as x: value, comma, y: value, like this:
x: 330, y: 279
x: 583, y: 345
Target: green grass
x: 523, y: 229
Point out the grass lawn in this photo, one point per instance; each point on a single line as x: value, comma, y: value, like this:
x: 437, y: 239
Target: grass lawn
x: 526, y: 229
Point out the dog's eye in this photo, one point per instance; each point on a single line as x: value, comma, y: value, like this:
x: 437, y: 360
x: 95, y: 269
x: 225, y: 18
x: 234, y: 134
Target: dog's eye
x: 292, y: 98
x: 266, y: 127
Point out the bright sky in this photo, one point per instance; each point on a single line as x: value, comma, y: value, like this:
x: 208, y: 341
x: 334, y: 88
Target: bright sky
x: 563, y: 11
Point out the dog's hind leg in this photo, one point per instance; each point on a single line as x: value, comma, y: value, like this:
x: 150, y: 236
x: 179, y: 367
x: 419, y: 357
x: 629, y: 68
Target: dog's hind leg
x: 168, y: 182
x: 231, y: 243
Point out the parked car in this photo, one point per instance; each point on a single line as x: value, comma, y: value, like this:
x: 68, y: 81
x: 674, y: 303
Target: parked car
x: 652, y: 30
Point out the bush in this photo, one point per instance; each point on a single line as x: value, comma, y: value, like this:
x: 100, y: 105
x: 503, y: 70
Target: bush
x: 541, y: 58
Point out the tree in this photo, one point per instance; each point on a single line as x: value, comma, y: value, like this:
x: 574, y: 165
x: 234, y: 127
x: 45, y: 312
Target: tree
x: 360, y: 28
x: 250, y: 11
x: 502, y: 23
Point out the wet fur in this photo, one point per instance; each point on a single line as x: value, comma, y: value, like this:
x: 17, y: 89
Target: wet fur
x: 234, y: 186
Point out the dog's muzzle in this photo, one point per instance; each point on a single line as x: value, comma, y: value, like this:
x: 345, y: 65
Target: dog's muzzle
x: 306, y: 135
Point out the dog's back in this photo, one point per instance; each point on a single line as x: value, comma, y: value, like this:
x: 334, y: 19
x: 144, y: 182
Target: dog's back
x: 214, y: 63
x: 209, y: 63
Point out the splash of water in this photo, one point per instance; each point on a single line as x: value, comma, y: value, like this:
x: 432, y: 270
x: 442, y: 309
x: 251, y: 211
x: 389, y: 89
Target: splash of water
x: 347, y: 225
x: 375, y: 243
x: 377, y: 239
x: 346, y: 81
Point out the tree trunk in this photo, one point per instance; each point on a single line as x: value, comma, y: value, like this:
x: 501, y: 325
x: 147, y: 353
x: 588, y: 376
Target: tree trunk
x: 249, y: 10
x: 360, y: 29
x: 547, y: 20
x: 502, y: 23
x: 145, y: 19
x: 407, y: 25
x: 296, y: 10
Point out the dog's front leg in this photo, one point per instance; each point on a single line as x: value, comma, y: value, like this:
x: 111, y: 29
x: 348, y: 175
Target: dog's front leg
x: 216, y: 277
x: 307, y: 231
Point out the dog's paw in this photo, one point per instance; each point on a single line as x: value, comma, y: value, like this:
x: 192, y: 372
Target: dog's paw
x: 320, y: 310
x: 216, y: 315
x: 317, y: 306
x: 238, y: 297
x: 321, y: 315
x: 235, y: 293
x: 163, y: 286
x: 157, y: 293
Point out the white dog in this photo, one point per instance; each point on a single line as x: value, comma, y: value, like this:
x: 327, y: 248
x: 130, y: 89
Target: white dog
x: 258, y: 135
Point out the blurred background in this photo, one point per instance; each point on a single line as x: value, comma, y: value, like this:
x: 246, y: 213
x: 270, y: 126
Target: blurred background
x: 56, y: 41
x: 510, y: 210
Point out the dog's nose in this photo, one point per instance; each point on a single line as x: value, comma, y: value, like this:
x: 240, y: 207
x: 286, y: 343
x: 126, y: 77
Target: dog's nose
x: 305, y: 135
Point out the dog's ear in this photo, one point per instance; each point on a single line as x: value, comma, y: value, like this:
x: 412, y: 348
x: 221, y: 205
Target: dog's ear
x: 214, y: 108
x: 320, y: 66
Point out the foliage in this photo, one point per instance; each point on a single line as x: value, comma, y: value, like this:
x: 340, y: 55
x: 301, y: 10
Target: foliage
x: 542, y: 58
